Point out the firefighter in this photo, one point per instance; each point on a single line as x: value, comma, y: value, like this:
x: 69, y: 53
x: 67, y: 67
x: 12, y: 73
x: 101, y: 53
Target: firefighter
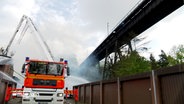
x: 66, y: 92
x: 75, y: 93
x: 8, y: 93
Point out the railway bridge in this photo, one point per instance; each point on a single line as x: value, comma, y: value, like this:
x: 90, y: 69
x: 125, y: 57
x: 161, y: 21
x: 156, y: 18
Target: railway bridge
x: 146, y: 14
x: 162, y: 86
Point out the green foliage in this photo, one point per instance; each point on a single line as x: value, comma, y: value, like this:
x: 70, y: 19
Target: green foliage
x: 179, y: 54
x: 175, y: 57
x: 131, y: 64
x: 163, y: 61
x: 153, y: 62
x: 172, y: 60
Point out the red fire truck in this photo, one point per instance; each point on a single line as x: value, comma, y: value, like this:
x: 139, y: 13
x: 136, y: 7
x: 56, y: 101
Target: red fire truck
x: 44, y: 81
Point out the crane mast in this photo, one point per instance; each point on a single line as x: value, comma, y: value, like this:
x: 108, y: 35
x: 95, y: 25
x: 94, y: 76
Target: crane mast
x: 15, y: 33
x: 30, y: 24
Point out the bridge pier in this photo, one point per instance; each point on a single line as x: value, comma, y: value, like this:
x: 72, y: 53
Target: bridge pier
x: 113, y: 58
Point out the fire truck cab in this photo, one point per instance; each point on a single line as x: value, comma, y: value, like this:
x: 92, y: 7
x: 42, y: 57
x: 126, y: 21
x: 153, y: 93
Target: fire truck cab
x: 44, y: 81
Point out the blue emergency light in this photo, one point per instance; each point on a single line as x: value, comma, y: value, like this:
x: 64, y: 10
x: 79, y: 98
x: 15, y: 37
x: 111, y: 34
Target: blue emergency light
x: 27, y: 58
x: 66, y: 62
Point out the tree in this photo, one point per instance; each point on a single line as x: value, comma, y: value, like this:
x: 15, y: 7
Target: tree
x: 163, y: 61
x: 1, y: 51
x: 153, y: 62
x: 180, y: 54
x: 130, y: 61
x: 172, y: 60
x: 131, y: 64
x: 139, y: 47
x: 177, y: 53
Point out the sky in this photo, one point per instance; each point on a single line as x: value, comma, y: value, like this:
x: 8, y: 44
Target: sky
x: 166, y: 34
x: 74, y: 28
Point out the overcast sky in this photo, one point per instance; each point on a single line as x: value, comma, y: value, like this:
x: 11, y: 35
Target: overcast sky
x: 74, y: 28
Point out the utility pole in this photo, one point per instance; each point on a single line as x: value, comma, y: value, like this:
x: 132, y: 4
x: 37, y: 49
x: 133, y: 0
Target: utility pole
x: 107, y: 28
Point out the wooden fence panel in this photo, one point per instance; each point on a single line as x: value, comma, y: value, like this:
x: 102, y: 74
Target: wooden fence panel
x: 172, y: 89
x: 87, y: 94
x: 81, y: 93
x: 110, y: 93
x: 137, y: 92
x: 96, y: 94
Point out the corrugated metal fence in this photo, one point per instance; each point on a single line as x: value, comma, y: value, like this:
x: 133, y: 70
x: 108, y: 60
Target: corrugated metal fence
x: 163, y: 86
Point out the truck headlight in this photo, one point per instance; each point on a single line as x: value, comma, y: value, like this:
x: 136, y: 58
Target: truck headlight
x: 59, y: 94
x: 26, y: 93
x: 14, y: 94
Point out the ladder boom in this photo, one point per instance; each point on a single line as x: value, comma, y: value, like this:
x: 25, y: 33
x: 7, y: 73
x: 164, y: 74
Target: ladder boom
x: 29, y: 24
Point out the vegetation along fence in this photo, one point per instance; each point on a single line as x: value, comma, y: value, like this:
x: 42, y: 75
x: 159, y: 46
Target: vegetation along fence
x: 163, y: 86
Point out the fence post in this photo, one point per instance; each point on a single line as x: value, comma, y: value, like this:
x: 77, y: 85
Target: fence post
x: 155, y: 88
x: 84, y: 96
x: 90, y: 99
x: 119, y: 93
x: 101, y: 92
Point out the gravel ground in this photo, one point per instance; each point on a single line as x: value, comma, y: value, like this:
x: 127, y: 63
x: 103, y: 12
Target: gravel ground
x: 69, y: 101
x: 15, y: 101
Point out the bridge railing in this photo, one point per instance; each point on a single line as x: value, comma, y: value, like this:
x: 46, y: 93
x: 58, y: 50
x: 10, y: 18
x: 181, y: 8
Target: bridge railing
x: 126, y: 15
x: 162, y: 86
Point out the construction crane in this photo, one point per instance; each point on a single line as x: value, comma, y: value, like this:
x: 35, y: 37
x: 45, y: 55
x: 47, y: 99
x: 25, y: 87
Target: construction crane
x: 29, y: 24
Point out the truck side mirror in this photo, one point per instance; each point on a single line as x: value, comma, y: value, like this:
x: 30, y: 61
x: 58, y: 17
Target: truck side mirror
x: 68, y: 71
x: 23, y: 68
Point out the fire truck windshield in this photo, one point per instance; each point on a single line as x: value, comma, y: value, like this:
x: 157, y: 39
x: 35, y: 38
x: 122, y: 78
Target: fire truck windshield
x: 45, y: 68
